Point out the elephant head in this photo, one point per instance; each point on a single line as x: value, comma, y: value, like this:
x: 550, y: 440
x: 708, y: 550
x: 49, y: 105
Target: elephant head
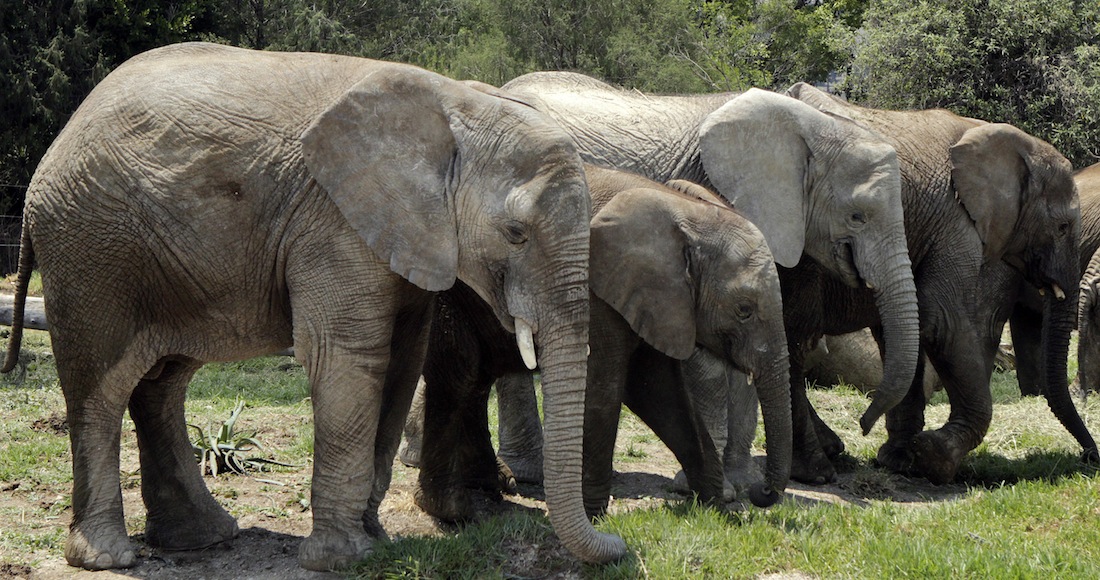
x: 446, y: 182
x: 685, y: 273
x: 821, y: 186
x: 1020, y: 193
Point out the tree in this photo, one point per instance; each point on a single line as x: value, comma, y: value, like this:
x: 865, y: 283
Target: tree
x: 1030, y: 63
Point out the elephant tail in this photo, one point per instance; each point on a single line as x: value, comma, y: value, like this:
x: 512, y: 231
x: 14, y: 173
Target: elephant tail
x: 22, y: 281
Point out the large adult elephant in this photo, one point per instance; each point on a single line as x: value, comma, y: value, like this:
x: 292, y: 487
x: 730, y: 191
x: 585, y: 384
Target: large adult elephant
x: 824, y: 191
x: 208, y: 203
x: 1026, y: 323
x: 986, y: 207
x: 669, y: 273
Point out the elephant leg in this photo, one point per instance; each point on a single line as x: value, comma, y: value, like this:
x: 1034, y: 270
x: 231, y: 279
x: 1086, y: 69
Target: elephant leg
x: 741, y: 470
x: 181, y: 513
x: 520, y: 428
x: 612, y: 343
x: 704, y: 377
x: 347, y: 351
x: 1026, y: 327
x: 413, y: 440
x: 904, y: 422
x: 655, y: 392
x: 96, y: 395
x: 407, y: 351
x: 727, y: 405
x: 809, y: 463
x: 963, y: 360
x: 456, y: 399
x: 480, y: 467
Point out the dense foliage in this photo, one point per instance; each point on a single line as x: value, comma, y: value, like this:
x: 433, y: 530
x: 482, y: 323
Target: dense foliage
x: 1031, y: 62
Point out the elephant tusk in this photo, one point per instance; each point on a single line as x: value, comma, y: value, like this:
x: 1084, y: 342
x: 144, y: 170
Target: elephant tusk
x: 1042, y: 292
x: 1058, y: 292
x: 526, y: 343
x: 748, y: 378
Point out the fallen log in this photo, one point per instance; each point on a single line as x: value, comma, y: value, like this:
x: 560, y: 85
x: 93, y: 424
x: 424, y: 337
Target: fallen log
x: 34, y: 313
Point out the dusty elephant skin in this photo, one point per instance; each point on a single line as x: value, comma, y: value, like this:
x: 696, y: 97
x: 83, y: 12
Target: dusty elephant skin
x: 987, y: 208
x: 824, y: 191
x: 212, y: 203
x: 669, y: 273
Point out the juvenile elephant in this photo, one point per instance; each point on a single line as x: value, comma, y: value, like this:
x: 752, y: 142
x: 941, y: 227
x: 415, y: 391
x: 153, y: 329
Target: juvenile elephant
x: 824, y: 191
x: 987, y: 207
x: 669, y: 273
x: 208, y: 203
x: 1026, y: 322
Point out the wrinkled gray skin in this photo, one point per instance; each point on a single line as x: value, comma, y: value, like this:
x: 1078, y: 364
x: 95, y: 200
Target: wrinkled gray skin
x: 208, y: 203
x: 987, y: 208
x: 824, y: 191
x: 1088, y: 311
x: 1026, y: 321
x: 669, y: 273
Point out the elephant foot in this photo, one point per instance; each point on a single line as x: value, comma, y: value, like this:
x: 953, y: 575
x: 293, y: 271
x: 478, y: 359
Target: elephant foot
x: 596, y: 508
x: 936, y: 456
x: 895, y: 456
x: 452, y: 505
x: 741, y: 475
x: 680, y: 485
x: 109, y: 549
x: 813, y: 468
x: 331, y: 550
x: 409, y: 452
x: 505, y: 478
x: 1091, y: 456
x: 831, y: 444
x: 527, y: 468
x: 195, y: 532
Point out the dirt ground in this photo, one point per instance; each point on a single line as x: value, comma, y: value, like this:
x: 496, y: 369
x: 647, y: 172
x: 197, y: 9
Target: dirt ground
x: 273, y: 513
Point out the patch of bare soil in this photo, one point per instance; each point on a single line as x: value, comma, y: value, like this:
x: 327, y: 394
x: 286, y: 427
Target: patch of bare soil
x: 273, y: 515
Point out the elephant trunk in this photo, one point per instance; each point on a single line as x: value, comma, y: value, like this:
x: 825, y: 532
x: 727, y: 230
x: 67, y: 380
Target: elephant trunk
x: 896, y: 301
x: 774, y: 392
x: 1059, y: 317
x: 563, y: 361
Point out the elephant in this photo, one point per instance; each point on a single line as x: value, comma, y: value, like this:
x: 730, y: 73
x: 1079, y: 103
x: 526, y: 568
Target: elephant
x: 987, y: 208
x: 824, y: 191
x: 668, y: 273
x: 1088, y: 309
x: 1026, y: 322
x: 209, y: 203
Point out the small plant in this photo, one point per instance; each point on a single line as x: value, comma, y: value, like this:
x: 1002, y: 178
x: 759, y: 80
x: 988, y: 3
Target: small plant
x: 225, y: 451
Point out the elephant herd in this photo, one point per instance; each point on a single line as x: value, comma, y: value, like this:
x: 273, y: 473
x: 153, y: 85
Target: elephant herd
x: 680, y: 255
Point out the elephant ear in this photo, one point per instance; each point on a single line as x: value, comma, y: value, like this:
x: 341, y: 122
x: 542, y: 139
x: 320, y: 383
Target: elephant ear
x: 639, y: 266
x: 385, y: 153
x: 989, y: 167
x: 819, y: 99
x: 754, y: 153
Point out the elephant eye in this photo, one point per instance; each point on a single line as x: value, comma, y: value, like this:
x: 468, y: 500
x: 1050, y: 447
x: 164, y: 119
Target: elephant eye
x: 515, y: 232
x: 744, y: 310
x: 1063, y: 228
x: 858, y: 218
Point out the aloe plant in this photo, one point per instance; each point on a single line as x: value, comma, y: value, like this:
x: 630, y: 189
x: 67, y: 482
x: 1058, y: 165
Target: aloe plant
x: 225, y: 451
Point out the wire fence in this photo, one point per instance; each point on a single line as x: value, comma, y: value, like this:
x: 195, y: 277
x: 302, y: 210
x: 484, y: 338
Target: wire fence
x: 9, y: 243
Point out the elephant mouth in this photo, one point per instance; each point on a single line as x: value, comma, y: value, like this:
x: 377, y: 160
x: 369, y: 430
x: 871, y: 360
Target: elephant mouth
x: 845, y: 259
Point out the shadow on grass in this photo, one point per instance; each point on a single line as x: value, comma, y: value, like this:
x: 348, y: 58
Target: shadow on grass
x: 990, y: 470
